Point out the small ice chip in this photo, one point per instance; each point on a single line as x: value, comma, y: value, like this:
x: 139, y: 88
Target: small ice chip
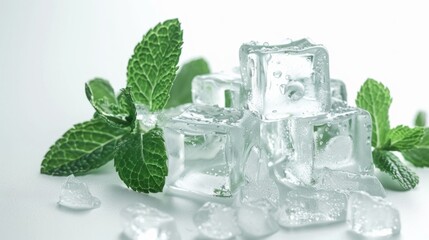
x: 262, y: 189
x: 75, y: 195
x: 147, y: 223
x: 303, y: 207
x: 372, y: 216
x: 256, y: 219
x: 216, y: 221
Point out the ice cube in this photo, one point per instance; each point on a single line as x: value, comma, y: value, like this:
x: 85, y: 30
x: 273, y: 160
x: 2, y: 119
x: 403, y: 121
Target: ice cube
x: 296, y: 146
x: 348, y: 182
x: 265, y: 189
x: 372, y: 216
x: 286, y: 79
x: 338, y: 90
x: 76, y: 195
x: 216, y: 221
x: 256, y: 219
x: 220, y: 89
x: 212, y: 144
x: 255, y: 168
x: 148, y: 223
x: 303, y: 207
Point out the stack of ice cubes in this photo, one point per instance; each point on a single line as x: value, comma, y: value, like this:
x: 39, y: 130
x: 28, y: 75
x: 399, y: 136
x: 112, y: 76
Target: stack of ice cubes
x: 283, y: 108
x: 281, y: 141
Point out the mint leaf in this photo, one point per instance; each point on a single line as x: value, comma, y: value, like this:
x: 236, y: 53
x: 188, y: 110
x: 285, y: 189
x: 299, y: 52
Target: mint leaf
x: 391, y: 164
x: 375, y: 98
x: 403, y: 137
x: 419, y: 155
x: 118, y: 112
x: 141, y: 161
x: 84, y: 147
x: 100, y: 90
x: 420, y: 120
x: 182, y: 86
x: 153, y: 66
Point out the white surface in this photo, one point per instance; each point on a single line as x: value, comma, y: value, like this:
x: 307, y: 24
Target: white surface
x: 49, y: 48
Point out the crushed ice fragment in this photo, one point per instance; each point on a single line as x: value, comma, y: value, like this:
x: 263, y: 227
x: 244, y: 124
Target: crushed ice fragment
x: 372, y: 216
x: 256, y: 219
x: 303, y: 207
x: 148, y: 223
x: 262, y: 189
x: 216, y: 221
x: 76, y: 195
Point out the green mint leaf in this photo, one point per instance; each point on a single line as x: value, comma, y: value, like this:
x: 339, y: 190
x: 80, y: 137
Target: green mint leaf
x: 403, y: 138
x: 391, y: 164
x: 153, y: 66
x: 84, y: 147
x: 118, y: 112
x: 375, y: 98
x: 181, y: 91
x: 100, y: 90
x: 419, y: 155
x: 420, y: 120
x: 141, y: 161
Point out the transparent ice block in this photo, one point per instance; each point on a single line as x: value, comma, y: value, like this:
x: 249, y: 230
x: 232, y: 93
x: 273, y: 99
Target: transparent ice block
x: 209, y: 146
x: 347, y: 182
x: 143, y: 222
x: 295, y: 147
x: 218, y: 89
x: 305, y: 206
x: 265, y: 189
x: 286, y: 79
x: 338, y: 90
x: 372, y: 216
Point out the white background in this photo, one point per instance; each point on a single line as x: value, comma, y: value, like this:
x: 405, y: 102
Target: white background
x: 50, y: 48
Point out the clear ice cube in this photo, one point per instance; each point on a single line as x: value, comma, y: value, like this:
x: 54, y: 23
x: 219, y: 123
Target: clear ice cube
x: 372, y: 216
x: 286, y: 79
x: 216, y: 221
x: 255, y: 168
x: 338, y: 90
x: 265, y: 189
x: 209, y: 145
x: 297, y: 146
x: 148, y: 223
x: 218, y: 89
x: 256, y: 219
x: 304, y: 207
x: 348, y: 182
x: 76, y: 195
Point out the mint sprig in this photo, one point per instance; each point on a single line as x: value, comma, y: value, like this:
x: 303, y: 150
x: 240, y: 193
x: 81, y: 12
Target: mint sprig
x: 139, y: 153
x: 375, y: 98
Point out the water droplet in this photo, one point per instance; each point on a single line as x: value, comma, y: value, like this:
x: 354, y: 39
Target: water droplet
x: 293, y: 90
x: 277, y: 74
